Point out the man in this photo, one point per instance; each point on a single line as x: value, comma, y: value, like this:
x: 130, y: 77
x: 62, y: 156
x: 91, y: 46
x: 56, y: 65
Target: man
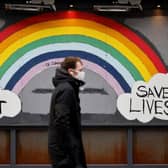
x: 65, y: 139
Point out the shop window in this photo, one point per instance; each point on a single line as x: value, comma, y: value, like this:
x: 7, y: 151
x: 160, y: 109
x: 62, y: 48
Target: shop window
x: 150, y: 146
x: 4, y: 147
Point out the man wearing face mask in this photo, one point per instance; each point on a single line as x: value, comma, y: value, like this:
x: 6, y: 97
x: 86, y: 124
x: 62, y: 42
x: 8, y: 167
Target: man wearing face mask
x: 64, y: 134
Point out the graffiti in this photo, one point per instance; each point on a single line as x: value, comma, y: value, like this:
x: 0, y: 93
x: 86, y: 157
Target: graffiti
x: 146, y: 100
x: 10, y: 104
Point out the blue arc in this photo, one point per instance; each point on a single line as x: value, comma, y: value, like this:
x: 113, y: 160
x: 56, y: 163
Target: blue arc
x: 61, y: 54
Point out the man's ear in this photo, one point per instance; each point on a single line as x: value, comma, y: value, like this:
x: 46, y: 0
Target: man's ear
x: 70, y: 71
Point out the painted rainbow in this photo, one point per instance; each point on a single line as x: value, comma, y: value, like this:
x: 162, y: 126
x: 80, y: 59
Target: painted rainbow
x: 109, y: 48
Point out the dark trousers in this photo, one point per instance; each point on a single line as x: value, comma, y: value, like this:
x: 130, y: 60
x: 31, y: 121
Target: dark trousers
x: 60, y: 158
x: 64, y: 159
x: 65, y: 151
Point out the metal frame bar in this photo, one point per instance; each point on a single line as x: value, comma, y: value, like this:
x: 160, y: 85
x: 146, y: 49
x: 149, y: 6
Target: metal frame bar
x: 5, y: 166
x: 13, y: 147
x: 89, y: 166
x: 130, y: 147
x: 151, y: 166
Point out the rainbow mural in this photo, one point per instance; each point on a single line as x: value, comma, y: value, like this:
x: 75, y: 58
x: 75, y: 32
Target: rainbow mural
x: 110, y: 49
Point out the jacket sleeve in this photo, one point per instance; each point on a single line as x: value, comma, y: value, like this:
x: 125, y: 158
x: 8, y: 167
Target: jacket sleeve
x: 62, y: 117
x: 63, y: 107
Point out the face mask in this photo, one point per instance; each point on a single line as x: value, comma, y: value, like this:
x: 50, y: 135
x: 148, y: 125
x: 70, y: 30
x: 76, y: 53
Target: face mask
x: 81, y: 75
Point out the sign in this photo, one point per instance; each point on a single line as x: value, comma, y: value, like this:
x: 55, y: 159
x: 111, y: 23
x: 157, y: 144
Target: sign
x: 146, y: 101
x: 10, y: 104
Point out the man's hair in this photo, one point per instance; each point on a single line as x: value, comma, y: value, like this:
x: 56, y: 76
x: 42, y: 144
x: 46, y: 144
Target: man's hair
x: 70, y: 62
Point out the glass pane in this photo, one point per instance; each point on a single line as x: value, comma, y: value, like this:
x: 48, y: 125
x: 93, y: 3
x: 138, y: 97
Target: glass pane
x: 101, y: 146
x: 4, y: 147
x: 32, y: 147
x: 105, y: 146
x: 150, y: 146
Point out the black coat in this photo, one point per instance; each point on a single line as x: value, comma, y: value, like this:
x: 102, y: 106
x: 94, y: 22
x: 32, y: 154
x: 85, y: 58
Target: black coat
x: 64, y: 138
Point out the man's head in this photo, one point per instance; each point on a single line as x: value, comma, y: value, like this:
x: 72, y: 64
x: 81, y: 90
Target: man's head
x: 74, y: 66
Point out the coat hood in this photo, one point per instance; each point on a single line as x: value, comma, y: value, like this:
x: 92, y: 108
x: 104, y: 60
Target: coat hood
x: 62, y: 75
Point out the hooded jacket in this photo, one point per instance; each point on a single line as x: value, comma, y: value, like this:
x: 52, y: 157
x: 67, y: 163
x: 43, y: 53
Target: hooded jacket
x: 65, y: 139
